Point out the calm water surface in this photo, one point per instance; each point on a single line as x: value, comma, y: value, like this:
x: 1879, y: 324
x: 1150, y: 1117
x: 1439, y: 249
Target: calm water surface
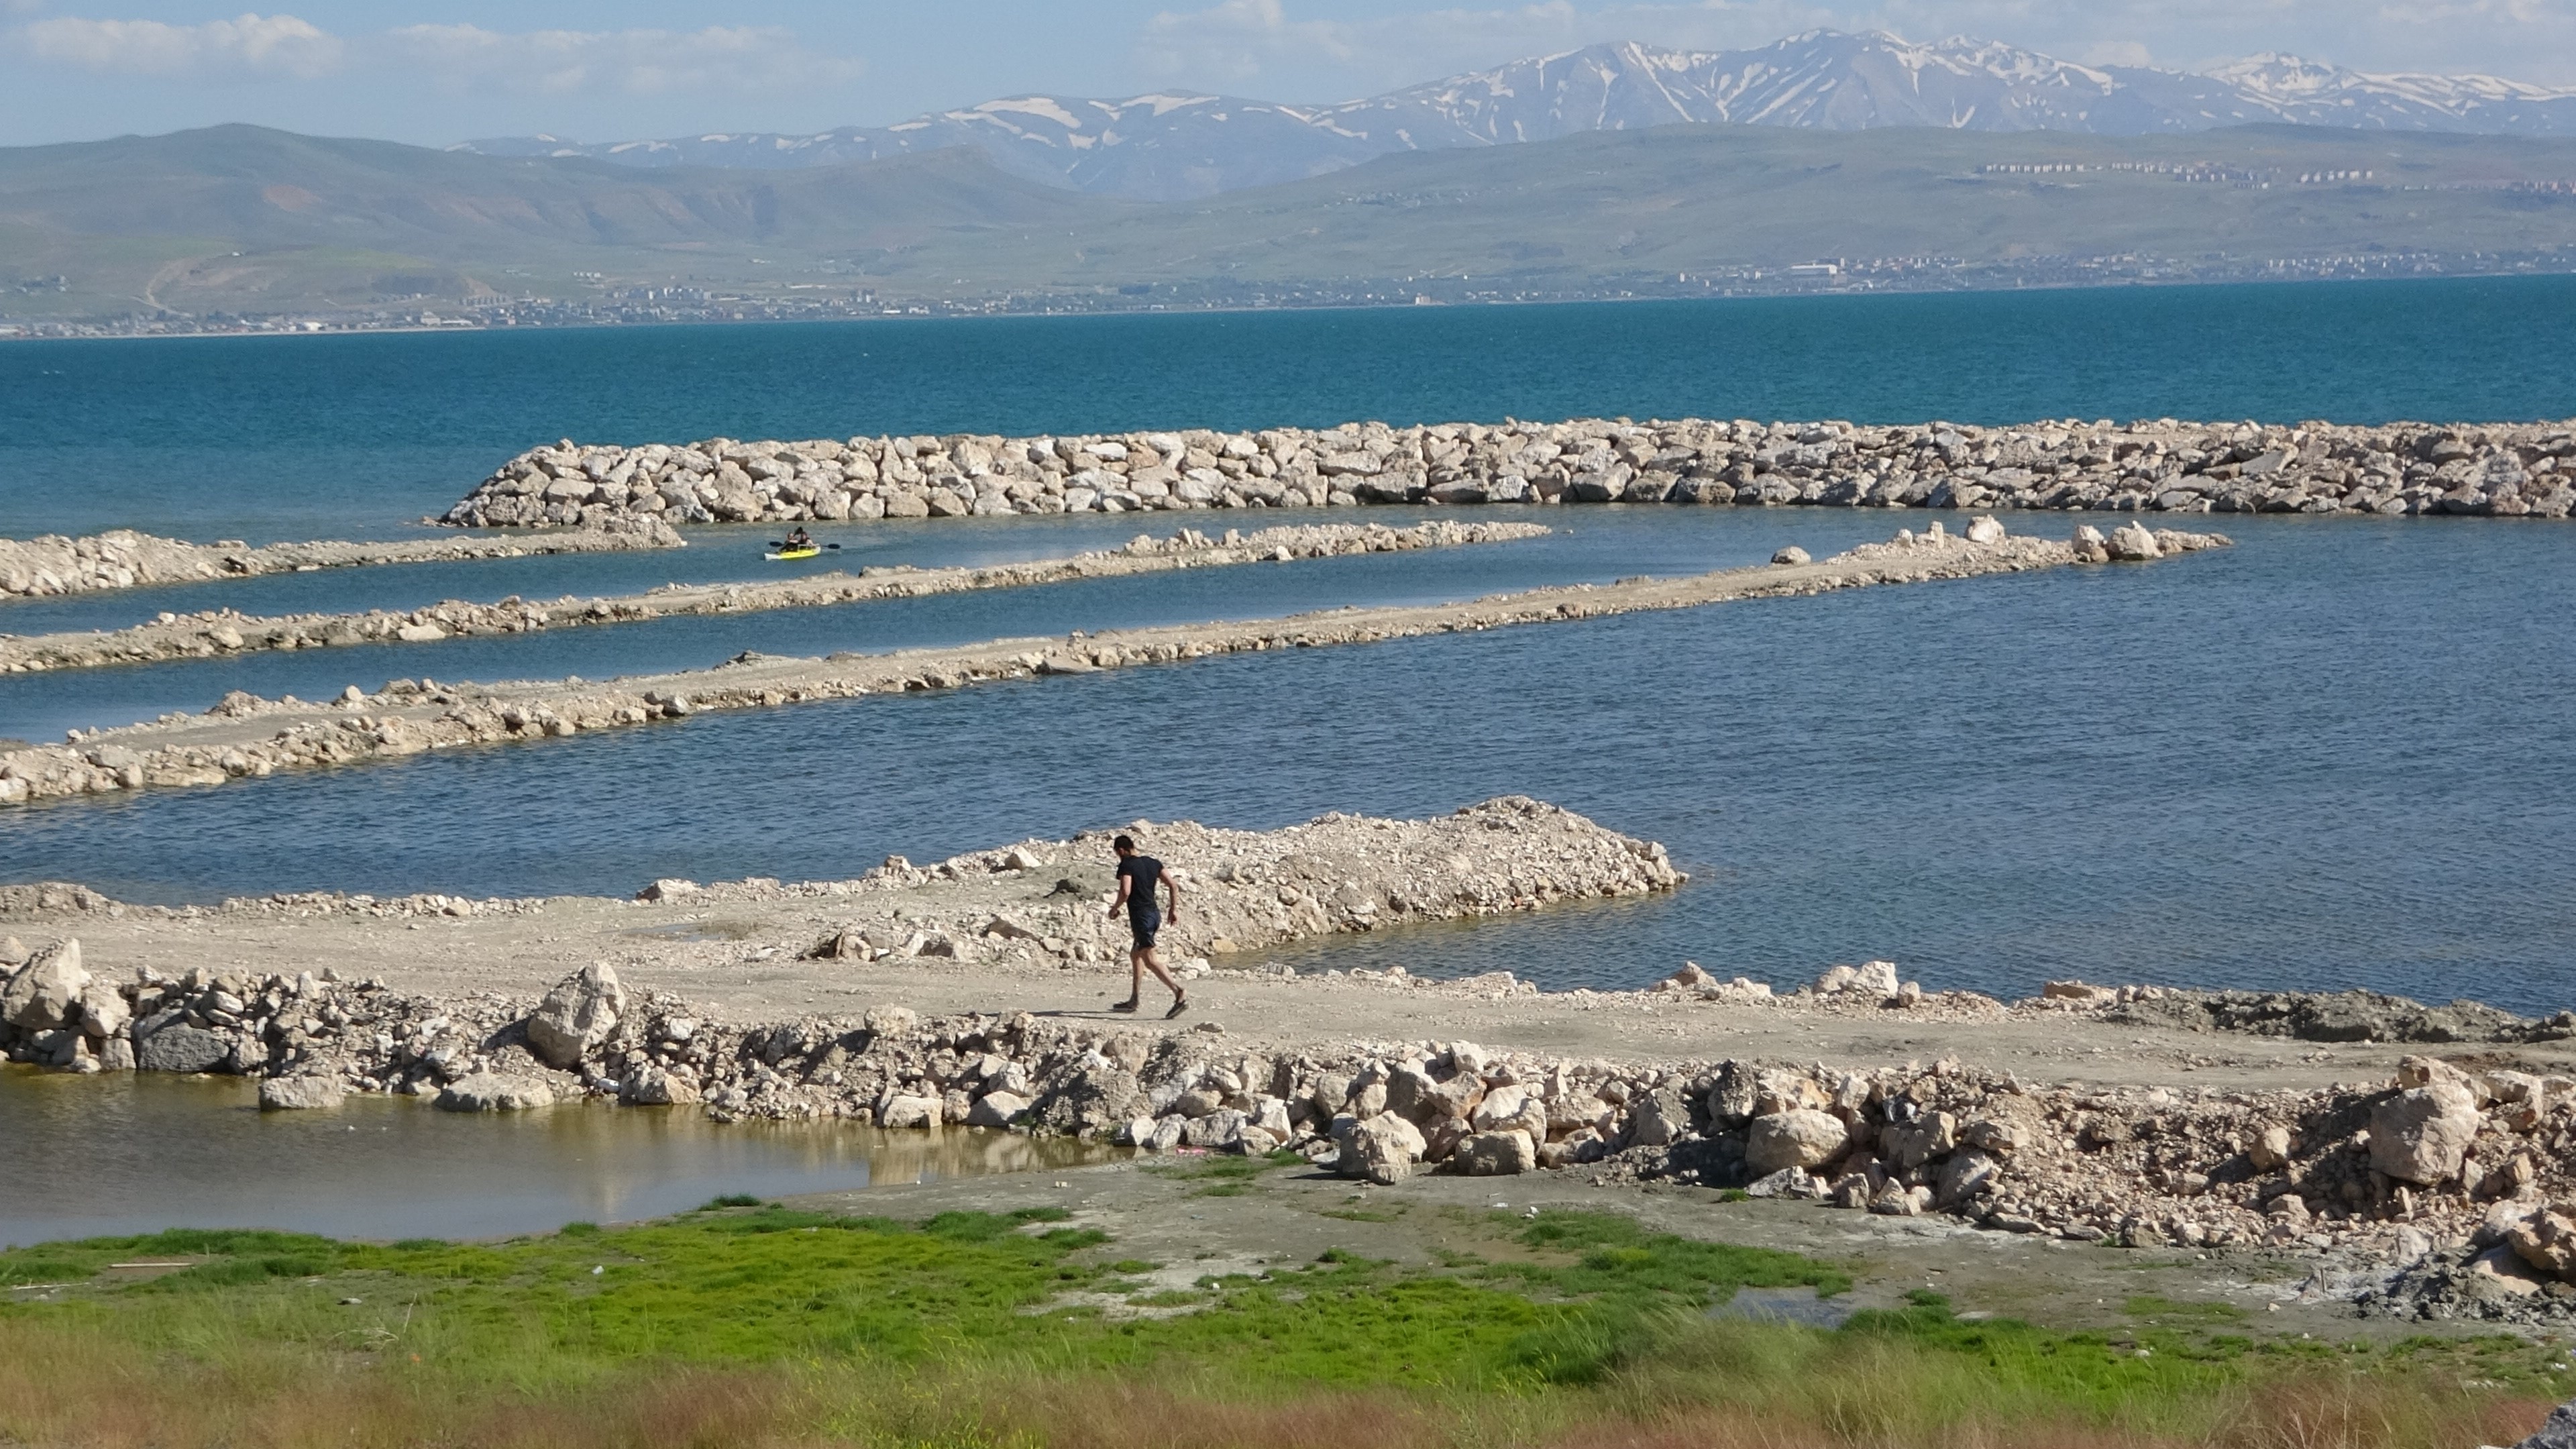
x: 350, y: 436
x: 2335, y: 755
x: 157, y: 1152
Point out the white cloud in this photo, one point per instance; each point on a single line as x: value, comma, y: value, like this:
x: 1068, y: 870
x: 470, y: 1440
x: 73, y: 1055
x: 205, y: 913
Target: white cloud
x: 631, y: 62
x: 636, y: 62
x: 249, y: 44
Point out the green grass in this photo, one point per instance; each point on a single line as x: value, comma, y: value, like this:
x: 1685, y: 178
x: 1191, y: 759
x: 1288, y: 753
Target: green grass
x: 1570, y: 1314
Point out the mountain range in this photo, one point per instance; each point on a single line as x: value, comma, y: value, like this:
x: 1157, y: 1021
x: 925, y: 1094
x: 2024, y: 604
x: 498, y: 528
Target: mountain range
x: 241, y: 220
x: 1168, y: 147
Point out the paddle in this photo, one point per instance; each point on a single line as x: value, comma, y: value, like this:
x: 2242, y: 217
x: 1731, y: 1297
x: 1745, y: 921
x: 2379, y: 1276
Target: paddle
x: 818, y: 545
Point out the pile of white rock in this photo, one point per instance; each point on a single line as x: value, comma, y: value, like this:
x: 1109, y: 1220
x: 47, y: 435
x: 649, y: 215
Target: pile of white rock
x: 2500, y: 469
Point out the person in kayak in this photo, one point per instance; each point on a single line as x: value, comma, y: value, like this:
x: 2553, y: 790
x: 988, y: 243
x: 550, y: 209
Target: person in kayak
x: 797, y: 538
x: 1137, y: 877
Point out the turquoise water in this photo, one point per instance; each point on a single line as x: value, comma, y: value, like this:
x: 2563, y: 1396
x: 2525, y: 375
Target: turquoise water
x: 2334, y: 756
x: 266, y: 438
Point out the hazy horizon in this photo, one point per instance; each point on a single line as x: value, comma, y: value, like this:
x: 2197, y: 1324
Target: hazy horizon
x: 589, y: 71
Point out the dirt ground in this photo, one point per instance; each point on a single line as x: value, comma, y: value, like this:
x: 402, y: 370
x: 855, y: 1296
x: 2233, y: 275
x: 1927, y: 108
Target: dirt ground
x: 743, y: 960
x: 1157, y: 1213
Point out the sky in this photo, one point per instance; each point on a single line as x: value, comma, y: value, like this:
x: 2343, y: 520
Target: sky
x: 590, y: 70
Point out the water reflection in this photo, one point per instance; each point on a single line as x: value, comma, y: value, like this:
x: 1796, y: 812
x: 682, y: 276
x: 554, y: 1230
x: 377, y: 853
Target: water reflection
x: 141, y: 1153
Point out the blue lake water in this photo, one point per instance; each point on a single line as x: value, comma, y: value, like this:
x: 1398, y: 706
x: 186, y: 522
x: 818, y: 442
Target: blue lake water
x: 264, y: 438
x: 2337, y: 755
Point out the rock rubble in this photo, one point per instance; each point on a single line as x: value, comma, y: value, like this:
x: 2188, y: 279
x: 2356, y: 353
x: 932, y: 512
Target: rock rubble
x: 228, y: 632
x: 245, y: 736
x: 123, y: 559
x: 2163, y: 465
x: 2477, y: 1219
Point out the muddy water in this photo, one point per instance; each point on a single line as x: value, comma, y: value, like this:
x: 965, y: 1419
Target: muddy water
x: 135, y: 1154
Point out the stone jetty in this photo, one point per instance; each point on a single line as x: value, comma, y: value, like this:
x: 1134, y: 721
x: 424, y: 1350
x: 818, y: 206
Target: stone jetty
x: 228, y: 632
x: 244, y: 736
x: 2161, y: 465
x: 123, y: 559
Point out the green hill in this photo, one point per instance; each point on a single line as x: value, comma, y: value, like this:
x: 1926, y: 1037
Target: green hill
x: 245, y: 219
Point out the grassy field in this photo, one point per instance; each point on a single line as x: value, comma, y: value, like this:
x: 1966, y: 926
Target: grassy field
x: 754, y: 1325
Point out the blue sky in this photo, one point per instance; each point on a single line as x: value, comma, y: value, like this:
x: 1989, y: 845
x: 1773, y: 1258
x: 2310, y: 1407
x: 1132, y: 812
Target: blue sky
x: 434, y: 73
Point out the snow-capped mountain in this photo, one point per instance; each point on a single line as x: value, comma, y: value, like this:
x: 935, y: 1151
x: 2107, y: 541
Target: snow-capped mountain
x: 1167, y: 147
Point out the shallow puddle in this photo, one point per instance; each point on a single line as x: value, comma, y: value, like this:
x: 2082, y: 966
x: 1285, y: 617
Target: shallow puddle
x: 135, y: 1154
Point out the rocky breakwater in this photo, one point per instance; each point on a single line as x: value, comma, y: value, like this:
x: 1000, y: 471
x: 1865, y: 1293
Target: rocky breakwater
x: 123, y: 559
x: 2448, y: 1191
x: 246, y: 736
x: 2165, y: 465
x: 227, y: 632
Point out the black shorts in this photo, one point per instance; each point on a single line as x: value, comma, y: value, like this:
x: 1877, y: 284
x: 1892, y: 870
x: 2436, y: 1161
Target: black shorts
x: 1145, y: 924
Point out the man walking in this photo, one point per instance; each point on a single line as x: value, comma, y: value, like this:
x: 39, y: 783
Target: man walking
x: 1137, y: 877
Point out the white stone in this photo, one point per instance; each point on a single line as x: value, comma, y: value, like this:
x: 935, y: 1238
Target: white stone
x: 1801, y: 1138
x: 1496, y: 1154
x: 2421, y: 1134
x: 45, y: 992
x: 580, y: 1013
x: 996, y: 1109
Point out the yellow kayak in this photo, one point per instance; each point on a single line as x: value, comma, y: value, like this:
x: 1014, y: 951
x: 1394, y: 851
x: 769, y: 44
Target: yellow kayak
x: 796, y: 553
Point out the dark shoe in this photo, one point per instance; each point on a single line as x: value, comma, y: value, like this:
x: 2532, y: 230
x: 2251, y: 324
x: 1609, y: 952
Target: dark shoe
x: 1179, y: 1005
x: 1124, y: 1006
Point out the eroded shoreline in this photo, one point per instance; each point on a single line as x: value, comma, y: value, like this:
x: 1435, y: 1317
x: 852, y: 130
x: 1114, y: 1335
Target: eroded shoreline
x: 941, y: 996
x: 248, y: 737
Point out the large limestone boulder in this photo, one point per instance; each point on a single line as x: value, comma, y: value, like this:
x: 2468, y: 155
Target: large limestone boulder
x: 493, y: 1092
x: 1382, y: 1149
x: 2134, y: 543
x: 580, y: 1013
x: 996, y: 1109
x: 2421, y: 1134
x: 43, y: 994
x: 104, y: 1011
x: 1801, y: 1138
x: 1496, y: 1154
x: 910, y: 1111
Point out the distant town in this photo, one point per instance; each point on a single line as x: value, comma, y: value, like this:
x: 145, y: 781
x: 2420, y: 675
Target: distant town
x: 616, y: 305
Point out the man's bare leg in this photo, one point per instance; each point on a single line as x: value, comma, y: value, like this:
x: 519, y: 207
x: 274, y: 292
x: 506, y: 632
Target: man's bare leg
x: 1139, y: 961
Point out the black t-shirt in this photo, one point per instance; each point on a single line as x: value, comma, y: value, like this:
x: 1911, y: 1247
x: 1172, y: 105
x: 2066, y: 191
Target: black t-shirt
x: 1147, y: 874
